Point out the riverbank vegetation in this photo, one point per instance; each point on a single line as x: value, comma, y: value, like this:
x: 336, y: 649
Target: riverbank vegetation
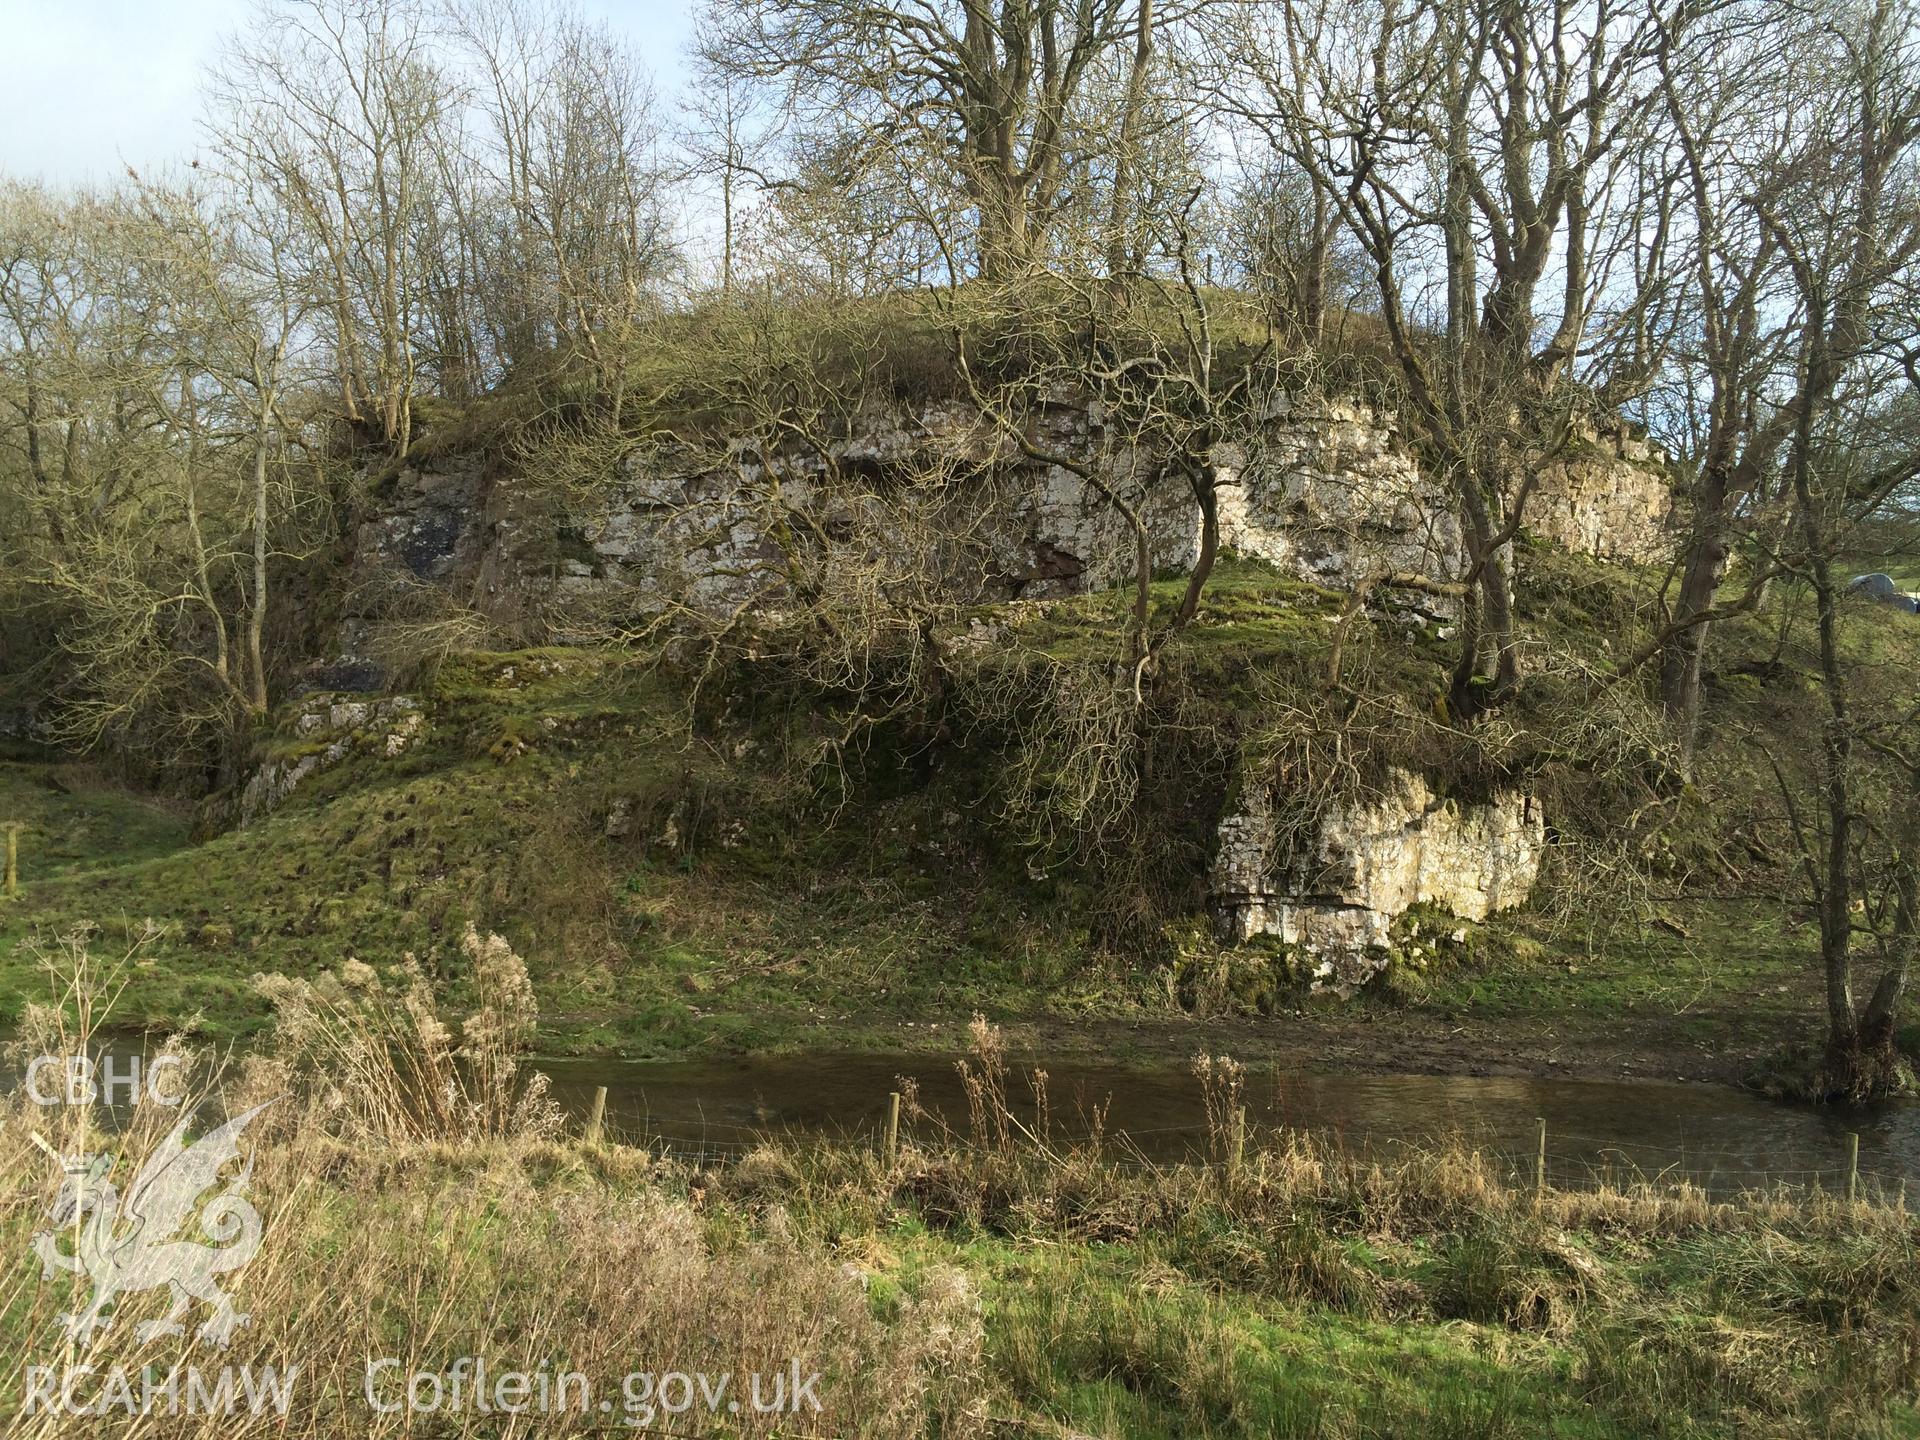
x: 420, y: 1200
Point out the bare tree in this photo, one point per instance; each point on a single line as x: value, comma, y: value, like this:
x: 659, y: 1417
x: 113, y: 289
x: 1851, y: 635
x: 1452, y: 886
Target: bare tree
x: 1811, y: 123
x: 43, y: 299
x: 1848, y: 454
x: 989, y: 96
x: 1286, y: 244
x: 728, y: 139
x: 242, y: 313
x: 1852, y: 810
x: 572, y: 150
x: 1448, y: 135
x: 176, y: 489
x: 1148, y: 366
x: 335, y: 113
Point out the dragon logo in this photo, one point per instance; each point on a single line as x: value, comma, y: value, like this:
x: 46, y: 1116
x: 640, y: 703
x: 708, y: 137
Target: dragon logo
x: 127, y: 1245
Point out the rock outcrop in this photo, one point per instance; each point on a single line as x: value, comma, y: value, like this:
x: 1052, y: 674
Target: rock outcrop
x: 329, y: 728
x: 1329, y: 491
x: 1368, y: 863
x: 1606, y: 496
x: 19, y: 723
x: 1326, y: 489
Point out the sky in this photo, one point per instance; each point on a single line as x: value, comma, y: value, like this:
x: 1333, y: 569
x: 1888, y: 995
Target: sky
x: 91, y: 87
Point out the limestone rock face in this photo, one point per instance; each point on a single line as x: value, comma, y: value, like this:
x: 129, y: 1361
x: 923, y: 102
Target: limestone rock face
x: 1324, y: 488
x: 1367, y: 864
x: 1329, y: 491
x: 427, y: 525
x: 1016, y: 529
x: 338, y: 725
x: 19, y: 723
x: 1607, y: 496
x: 434, y: 537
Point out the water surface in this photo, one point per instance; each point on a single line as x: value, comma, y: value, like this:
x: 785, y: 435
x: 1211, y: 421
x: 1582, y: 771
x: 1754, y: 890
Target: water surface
x: 1721, y: 1137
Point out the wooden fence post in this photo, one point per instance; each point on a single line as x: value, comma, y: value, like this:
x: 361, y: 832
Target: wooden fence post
x: 893, y: 1127
x: 599, y: 1115
x: 1540, y: 1162
x: 1239, y: 1156
x: 13, y: 859
x: 1853, y: 1166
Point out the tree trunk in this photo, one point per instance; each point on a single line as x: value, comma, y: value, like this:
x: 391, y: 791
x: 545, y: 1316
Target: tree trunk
x: 1883, y: 1010
x: 1206, y: 495
x: 1004, y: 243
x: 257, y: 616
x: 1835, y: 868
x: 1486, y: 631
x: 1682, y: 662
x: 1122, y: 222
x: 202, y: 570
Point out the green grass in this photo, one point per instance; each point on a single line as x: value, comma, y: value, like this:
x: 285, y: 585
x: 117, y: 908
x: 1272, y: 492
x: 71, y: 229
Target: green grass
x: 74, y: 820
x: 1106, y: 1343
x: 540, y: 800
x: 1369, y: 1303
x: 1306, y: 1293
x: 1736, y: 979
x: 760, y: 929
x: 1890, y: 547
x: 1365, y: 1303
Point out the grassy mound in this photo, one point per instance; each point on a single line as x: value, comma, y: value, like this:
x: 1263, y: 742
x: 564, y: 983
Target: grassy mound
x: 682, y: 871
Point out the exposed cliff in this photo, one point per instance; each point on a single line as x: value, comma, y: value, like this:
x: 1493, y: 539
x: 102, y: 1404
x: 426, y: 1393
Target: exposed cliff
x: 1367, y: 863
x: 1324, y: 494
x: 1327, y: 490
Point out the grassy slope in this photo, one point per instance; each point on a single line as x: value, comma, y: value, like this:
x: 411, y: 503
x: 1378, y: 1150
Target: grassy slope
x: 774, y: 924
x: 75, y: 821
x: 501, y: 818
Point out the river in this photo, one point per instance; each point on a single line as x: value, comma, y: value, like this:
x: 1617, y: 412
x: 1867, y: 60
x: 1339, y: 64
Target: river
x: 1721, y: 1138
